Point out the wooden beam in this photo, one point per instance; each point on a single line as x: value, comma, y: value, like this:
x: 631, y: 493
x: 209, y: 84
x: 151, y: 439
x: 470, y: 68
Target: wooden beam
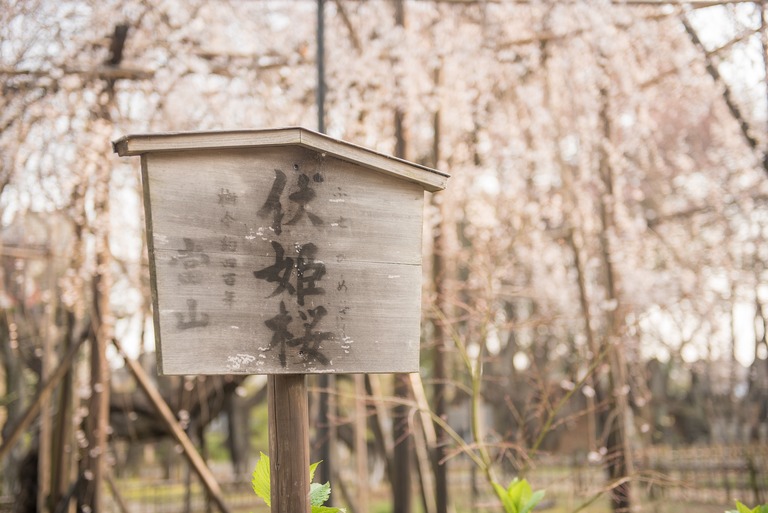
x: 119, y: 500
x: 26, y: 252
x: 99, y: 72
x: 194, y: 458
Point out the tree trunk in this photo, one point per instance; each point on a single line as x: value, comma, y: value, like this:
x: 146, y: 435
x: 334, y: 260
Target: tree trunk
x: 238, y: 442
x: 614, y: 418
x: 401, y: 486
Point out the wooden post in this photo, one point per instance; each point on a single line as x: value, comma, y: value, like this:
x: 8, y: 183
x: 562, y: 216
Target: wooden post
x: 288, y: 443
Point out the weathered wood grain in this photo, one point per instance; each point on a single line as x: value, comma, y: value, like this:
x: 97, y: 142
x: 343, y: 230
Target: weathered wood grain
x: 139, y: 144
x: 334, y: 286
x: 363, y: 215
x: 430, y: 179
x: 288, y: 443
x: 373, y: 314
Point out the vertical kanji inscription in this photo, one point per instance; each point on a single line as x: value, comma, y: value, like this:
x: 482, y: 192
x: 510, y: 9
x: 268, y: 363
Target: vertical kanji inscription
x: 297, y: 277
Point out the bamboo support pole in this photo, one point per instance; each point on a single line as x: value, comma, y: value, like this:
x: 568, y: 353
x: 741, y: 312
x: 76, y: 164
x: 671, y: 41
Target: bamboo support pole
x: 119, y: 500
x: 361, y: 443
x: 194, y: 458
x: 425, y: 440
x: 46, y: 422
x: 44, y: 393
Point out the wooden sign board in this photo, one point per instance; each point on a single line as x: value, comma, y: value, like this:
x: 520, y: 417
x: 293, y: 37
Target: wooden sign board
x: 282, y: 252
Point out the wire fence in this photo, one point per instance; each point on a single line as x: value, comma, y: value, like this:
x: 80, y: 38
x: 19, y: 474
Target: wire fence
x: 174, y: 496
x: 707, y: 475
x: 714, y: 474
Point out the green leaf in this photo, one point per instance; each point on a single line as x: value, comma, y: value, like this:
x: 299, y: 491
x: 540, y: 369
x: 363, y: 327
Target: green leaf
x: 532, y: 501
x: 327, y: 509
x: 312, y: 469
x: 512, y: 484
x: 506, y: 500
x: 260, y: 481
x: 520, y: 492
x: 743, y: 508
x: 319, y: 493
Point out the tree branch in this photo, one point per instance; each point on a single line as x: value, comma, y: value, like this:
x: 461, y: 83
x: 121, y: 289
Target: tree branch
x: 727, y: 95
x: 350, y: 27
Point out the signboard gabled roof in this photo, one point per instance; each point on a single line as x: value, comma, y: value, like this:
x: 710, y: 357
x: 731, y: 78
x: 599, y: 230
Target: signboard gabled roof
x: 139, y: 144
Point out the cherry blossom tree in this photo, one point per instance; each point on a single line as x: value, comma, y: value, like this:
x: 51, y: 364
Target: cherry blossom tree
x: 607, y: 206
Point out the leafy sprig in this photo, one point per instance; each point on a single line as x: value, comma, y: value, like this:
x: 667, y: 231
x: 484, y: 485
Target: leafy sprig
x: 518, y: 497
x: 318, y: 493
x: 741, y: 508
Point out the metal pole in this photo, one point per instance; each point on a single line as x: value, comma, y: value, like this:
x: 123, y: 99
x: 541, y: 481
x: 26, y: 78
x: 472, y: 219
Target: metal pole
x: 321, y: 66
x: 764, y: 47
x: 401, y: 486
x: 323, y: 433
